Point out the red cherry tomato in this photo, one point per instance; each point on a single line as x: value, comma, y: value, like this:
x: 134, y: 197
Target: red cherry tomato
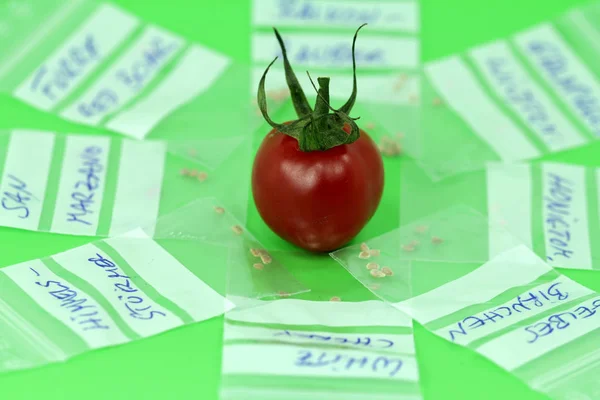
x: 317, y: 200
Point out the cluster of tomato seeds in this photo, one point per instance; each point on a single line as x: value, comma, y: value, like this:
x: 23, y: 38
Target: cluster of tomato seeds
x: 390, y: 147
x: 420, y: 230
x: 374, y: 269
x: 194, y: 173
x: 264, y: 256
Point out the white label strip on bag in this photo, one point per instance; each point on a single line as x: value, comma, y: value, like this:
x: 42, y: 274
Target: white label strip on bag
x: 289, y: 360
x: 380, y: 15
x: 134, y: 70
x: 335, y: 50
x: 373, y: 88
x: 515, y: 267
x: 513, y: 84
x: 539, y: 299
x: 325, y: 313
x: 523, y: 345
x: 560, y: 66
x: 139, y: 185
x: 135, y: 307
x: 24, y: 178
x: 565, y: 216
x: 182, y: 84
x: 463, y: 93
x: 392, y: 343
x: 67, y: 303
x: 81, y: 187
x: 169, y: 277
x: 77, y: 57
x: 509, y: 205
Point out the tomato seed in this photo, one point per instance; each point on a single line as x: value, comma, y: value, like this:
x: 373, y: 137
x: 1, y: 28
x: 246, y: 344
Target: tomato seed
x: 377, y: 273
x: 421, y: 229
x: 184, y: 172
x: 413, y: 98
x: 193, y: 173
x: 364, y: 255
x: 408, y: 247
x: 374, y: 286
x: 387, y: 271
x: 265, y: 258
x: 374, y: 252
x: 437, y: 101
x: 335, y: 298
x: 414, y: 243
x: 364, y: 247
x: 436, y: 240
x: 219, y: 210
x: 258, y: 266
x: 372, y: 265
x: 237, y: 229
x: 202, y: 176
x: 282, y: 293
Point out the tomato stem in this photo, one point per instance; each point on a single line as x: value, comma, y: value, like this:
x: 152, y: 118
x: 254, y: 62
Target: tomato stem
x: 316, y: 130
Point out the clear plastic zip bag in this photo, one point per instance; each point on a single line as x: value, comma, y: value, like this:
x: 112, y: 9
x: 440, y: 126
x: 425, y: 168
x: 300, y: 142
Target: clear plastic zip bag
x: 513, y: 309
x: 514, y: 99
x: 103, y: 186
x: 298, y: 349
x: 96, y: 64
x: 551, y: 207
x: 125, y: 288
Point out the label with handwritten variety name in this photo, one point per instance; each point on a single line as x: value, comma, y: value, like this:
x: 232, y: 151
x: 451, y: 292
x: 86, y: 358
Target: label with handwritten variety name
x: 78, y: 56
x: 335, y: 51
x: 459, y: 88
x: 81, y: 187
x: 527, y: 304
x: 380, y: 15
x: 24, y: 178
x: 289, y: 360
x: 67, y: 303
x: 527, y: 343
x: 565, y: 217
x: 126, y: 77
x: 519, y: 91
x: 181, y: 85
x: 392, y: 343
x: 564, y: 71
x: 131, y: 302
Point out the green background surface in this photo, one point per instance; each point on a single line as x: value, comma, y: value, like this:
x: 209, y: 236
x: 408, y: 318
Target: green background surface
x: 185, y: 363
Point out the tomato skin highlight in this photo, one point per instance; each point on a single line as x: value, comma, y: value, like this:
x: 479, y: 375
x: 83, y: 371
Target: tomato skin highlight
x: 317, y: 200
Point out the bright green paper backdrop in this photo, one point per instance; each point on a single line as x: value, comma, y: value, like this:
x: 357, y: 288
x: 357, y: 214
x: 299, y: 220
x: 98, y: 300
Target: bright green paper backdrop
x: 185, y: 363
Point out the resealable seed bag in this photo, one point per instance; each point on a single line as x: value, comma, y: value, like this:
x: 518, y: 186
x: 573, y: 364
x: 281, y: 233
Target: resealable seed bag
x: 513, y: 99
x: 298, y: 349
x: 124, y: 288
x: 513, y: 309
x: 550, y: 207
x: 102, y: 186
x: 96, y: 64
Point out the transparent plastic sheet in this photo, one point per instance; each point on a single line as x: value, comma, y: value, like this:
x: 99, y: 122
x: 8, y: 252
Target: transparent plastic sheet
x: 125, y: 288
x: 101, y: 186
x: 338, y: 343
x: 517, y: 98
x: 96, y: 64
x: 514, y: 309
x: 551, y: 207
